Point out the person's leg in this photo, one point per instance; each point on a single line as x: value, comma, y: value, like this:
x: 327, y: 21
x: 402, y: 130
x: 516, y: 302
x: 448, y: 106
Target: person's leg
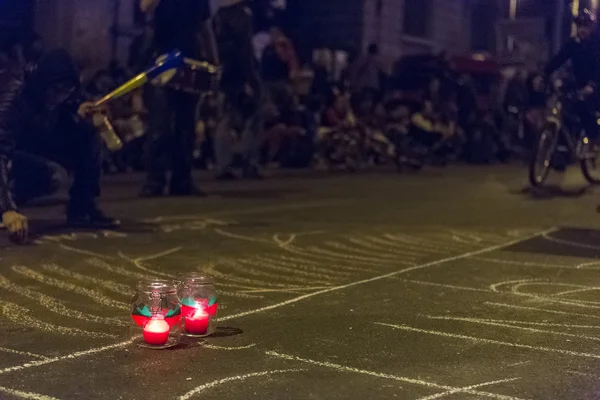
x: 81, y: 154
x: 34, y: 176
x: 159, y: 140
x: 183, y: 144
x: 251, y: 142
x: 223, y: 142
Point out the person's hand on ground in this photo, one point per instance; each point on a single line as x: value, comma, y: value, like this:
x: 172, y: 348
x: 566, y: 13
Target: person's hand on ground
x: 17, y: 226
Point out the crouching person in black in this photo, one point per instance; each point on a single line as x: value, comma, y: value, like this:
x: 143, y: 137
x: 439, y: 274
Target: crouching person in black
x: 43, y: 129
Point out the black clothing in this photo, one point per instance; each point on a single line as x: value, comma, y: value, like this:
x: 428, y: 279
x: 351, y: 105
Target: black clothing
x: 272, y: 68
x: 177, y: 24
x: 37, y: 168
x: 233, y: 33
x: 585, y: 59
x: 171, y: 139
x: 26, y: 125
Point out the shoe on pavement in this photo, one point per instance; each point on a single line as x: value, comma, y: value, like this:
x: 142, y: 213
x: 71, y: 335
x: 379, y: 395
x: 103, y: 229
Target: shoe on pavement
x: 227, y: 175
x: 149, y: 191
x: 188, y: 190
x: 93, y: 219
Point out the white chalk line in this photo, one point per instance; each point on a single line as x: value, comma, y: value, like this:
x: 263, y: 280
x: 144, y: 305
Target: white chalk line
x: 71, y: 356
x: 544, y: 298
x: 57, y: 306
x: 294, y: 300
x: 303, y: 289
x: 23, y: 353
x: 26, y: 395
x: 282, y: 243
x: 582, y: 374
x: 111, y: 286
x: 489, y: 341
x: 296, y: 280
x: 301, y: 269
x: 376, y: 244
x: 380, y: 277
x: 299, y: 252
x: 523, y: 263
x: 289, y: 270
x: 159, y: 255
x: 343, y: 368
x: 324, y: 258
x: 219, y: 382
x: 540, y: 310
x: 19, y: 315
x: 94, y: 295
x: 508, y: 324
x: 453, y: 287
x: 585, y: 289
x: 231, y: 235
x: 250, y: 211
x: 85, y: 252
x: 471, y: 289
x: 517, y: 364
x: 515, y: 322
x: 570, y: 243
x: 464, y: 388
x: 228, y: 348
x: 138, y: 264
x: 211, y: 269
x: 494, y: 287
x: 324, y: 254
x: 379, y: 256
x: 426, y: 246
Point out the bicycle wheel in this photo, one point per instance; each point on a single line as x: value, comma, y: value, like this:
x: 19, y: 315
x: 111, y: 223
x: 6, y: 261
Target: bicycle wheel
x: 539, y: 166
x: 590, y: 163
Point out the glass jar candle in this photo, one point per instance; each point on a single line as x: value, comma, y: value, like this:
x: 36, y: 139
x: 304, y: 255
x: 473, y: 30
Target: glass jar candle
x: 155, y: 315
x: 199, y: 304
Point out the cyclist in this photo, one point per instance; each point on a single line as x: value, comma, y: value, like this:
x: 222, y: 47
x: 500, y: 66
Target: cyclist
x: 584, y: 53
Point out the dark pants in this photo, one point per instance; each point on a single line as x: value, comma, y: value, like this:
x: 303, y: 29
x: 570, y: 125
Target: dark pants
x: 39, y: 165
x: 171, y: 138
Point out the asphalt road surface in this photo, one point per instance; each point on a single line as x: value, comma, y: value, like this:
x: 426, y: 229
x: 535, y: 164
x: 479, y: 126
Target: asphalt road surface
x: 452, y: 283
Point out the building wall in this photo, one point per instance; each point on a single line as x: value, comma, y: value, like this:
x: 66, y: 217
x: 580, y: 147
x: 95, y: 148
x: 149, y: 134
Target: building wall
x: 84, y: 27
x: 449, y: 22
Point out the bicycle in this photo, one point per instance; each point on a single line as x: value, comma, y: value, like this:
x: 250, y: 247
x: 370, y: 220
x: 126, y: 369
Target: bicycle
x: 563, y: 136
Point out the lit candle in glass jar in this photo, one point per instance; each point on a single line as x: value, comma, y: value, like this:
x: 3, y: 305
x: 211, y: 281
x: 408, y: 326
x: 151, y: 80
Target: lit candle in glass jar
x: 197, y: 323
x: 156, y: 332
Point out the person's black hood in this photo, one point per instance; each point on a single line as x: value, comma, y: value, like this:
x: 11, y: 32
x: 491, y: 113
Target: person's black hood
x: 55, y: 66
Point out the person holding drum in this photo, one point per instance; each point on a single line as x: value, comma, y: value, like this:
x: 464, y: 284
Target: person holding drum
x: 44, y: 127
x: 178, y: 25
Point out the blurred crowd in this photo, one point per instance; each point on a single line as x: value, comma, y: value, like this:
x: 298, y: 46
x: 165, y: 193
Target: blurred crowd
x: 333, y: 112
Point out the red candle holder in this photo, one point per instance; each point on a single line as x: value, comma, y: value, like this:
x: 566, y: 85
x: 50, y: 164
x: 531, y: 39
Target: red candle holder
x: 156, y: 332
x: 197, y: 323
x: 156, y: 315
x: 198, y: 304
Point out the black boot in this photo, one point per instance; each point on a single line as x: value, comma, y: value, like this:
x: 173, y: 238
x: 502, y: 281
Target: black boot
x: 252, y: 172
x: 185, y: 189
x: 90, y: 218
x: 149, y: 190
x: 227, y: 174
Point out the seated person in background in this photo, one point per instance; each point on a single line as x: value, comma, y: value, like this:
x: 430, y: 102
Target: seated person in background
x: 290, y: 131
x: 42, y: 125
x: 423, y: 125
x: 339, y: 113
x: 342, y: 140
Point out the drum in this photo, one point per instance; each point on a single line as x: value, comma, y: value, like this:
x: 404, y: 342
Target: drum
x: 194, y: 77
